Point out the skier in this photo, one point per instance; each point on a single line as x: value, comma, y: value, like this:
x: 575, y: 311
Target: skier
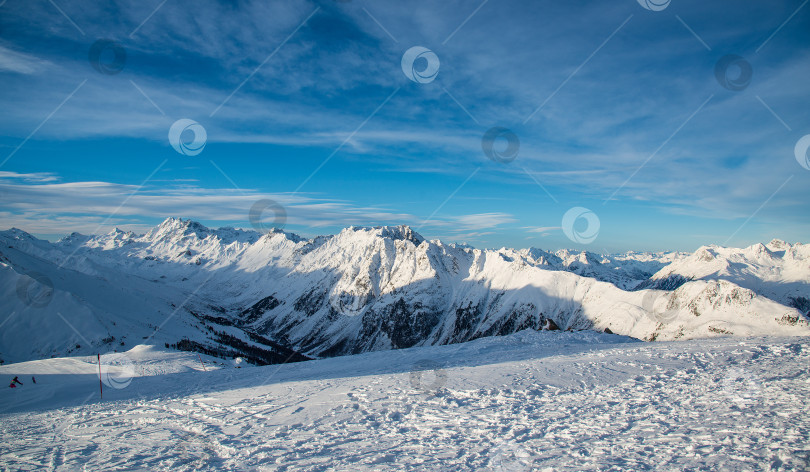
x: 12, y: 385
x: 15, y: 379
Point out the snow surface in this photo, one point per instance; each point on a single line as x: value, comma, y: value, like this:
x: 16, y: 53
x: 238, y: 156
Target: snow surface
x: 445, y: 376
x: 545, y: 401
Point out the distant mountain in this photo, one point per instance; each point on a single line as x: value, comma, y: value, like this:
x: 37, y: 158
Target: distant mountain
x: 777, y: 270
x: 626, y: 271
x: 276, y: 296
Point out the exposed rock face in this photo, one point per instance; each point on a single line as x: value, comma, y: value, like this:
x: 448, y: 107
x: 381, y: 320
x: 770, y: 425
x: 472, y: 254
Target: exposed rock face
x: 368, y: 289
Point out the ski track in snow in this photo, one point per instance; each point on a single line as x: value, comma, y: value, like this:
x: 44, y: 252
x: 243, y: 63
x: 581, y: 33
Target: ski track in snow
x: 530, y: 401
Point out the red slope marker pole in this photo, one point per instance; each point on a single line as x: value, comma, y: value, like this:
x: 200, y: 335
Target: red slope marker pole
x: 100, y: 390
x: 201, y: 362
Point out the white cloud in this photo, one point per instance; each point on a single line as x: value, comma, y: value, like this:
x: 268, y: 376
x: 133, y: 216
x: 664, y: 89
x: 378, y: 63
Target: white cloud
x: 44, y: 207
x: 483, y: 220
x: 33, y: 177
x: 13, y: 61
x: 544, y: 230
x: 601, y: 126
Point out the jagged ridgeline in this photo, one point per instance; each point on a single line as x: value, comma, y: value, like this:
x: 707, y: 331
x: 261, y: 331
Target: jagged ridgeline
x: 278, y: 297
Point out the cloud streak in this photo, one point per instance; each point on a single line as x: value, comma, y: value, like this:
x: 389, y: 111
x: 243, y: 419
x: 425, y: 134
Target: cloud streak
x: 599, y: 123
x: 43, y: 206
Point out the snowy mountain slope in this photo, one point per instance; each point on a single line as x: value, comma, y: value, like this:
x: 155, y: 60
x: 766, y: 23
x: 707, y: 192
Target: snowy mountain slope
x: 531, y: 401
x: 777, y: 270
x: 87, y: 306
x: 364, y: 289
x: 626, y: 271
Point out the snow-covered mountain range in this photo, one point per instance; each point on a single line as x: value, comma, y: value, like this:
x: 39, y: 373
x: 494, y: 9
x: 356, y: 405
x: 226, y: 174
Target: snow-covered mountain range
x: 276, y: 297
x: 777, y: 270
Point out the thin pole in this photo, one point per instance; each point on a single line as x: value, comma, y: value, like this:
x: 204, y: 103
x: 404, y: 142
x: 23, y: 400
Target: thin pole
x: 201, y: 362
x: 100, y: 390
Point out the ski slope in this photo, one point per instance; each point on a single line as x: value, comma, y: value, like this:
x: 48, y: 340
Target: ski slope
x: 546, y: 401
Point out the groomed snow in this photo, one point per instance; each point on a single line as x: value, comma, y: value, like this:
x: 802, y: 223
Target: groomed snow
x: 529, y: 401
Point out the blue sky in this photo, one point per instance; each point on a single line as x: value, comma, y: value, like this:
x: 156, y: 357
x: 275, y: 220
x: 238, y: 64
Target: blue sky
x: 616, y: 107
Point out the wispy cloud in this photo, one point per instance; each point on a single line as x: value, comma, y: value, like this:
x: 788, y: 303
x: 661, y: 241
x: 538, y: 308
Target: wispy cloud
x: 543, y: 230
x: 306, y: 99
x: 16, y: 62
x: 32, y: 202
x: 35, y: 177
x: 484, y: 220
